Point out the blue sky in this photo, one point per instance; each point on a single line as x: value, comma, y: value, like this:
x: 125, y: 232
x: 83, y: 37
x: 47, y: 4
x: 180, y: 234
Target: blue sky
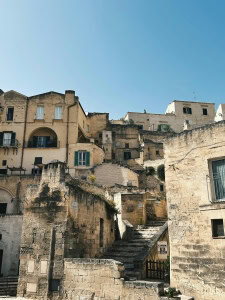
x: 118, y: 55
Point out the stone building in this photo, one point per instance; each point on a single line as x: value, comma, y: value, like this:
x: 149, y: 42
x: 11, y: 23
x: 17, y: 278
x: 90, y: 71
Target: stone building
x: 195, y: 170
x: 40, y: 128
x: 62, y: 219
x: 177, y: 113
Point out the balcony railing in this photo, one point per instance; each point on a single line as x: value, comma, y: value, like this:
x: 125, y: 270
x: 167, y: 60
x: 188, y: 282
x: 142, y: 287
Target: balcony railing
x: 9, y: 143
x: 45, y: 144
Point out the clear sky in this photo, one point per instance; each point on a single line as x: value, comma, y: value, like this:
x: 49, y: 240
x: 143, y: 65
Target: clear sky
x: 118, y: 55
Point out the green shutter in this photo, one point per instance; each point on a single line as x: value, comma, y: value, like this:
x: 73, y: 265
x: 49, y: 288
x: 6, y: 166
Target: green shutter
x: 76, y: 158
x: 88, y: 159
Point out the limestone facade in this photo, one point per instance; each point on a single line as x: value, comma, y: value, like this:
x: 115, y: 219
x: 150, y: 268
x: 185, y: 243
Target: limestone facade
x: 177, y: 113
x: 194, y: 162
x: 44, y: 127
x: 62, y: 219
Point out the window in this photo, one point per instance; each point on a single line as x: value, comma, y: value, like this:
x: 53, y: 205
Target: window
x: 38, y: 160
x: 205, y: 111
x: 187, y: 110
x: 0, y: 236
x: 3, y: 208
x: 127, y: 145
x: 127, y: 155
x: 40, y: 113
x: 3, y: 171
x: 87, y: 129
x: 7, y: 138
x: 157, y: 152
x: 217, y: 228
x: 164, y: 127
x: 9, y: 115
x: 82, y: 158
x: 4, y: 162
x: 161, y: 187
x: 100, y: 135
x: 58, y: 112
x: 218, y: 172
x: 54, y: 285
x: 36, y: 171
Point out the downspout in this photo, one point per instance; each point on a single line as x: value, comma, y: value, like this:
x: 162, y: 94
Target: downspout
x: 67, y: 131
x: 24, y: 132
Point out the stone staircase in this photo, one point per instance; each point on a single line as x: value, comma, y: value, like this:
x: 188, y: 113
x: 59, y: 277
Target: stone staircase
x: 126, y: 252
x: 8, y: 286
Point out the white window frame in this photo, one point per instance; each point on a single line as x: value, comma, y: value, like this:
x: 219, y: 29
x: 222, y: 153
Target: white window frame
x: 58, y: 113
x: 40, y: 112
x: 7, y: 137
x: 82, y: 158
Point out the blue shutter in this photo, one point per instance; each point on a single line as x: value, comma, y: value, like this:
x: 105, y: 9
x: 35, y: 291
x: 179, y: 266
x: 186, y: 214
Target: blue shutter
x: 76, y: 158
x: 87, y: 159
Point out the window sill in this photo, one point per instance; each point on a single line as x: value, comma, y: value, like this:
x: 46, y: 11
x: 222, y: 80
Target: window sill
x: 57, y: 120
x: 213, y: 206
x: 218, y: 237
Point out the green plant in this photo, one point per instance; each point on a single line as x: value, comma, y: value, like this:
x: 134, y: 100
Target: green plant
x: 161, y: 172
x: 92, y: 178
x: 171, y: 292
x: 141, y: 221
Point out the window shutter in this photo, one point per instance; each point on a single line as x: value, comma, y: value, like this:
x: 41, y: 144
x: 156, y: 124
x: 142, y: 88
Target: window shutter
x: 13, y: 139
x: 1, y: 138
x: 88, y: 159
x: 76, y: 158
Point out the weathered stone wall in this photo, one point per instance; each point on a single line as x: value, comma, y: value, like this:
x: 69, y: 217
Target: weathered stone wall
x: 109, y: 174
x: 103, y: 279
x: 10, y: 229
x: 61, y: 219
x: 133, y: 208
x: 197, y: 259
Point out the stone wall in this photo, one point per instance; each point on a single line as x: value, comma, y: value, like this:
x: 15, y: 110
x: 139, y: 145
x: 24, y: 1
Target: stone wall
x: 103, y: 279
x: 10, y: 230
x: 133, y: 208
x: 109, y: 174
x: 197, y: 258
x: 61, y: 219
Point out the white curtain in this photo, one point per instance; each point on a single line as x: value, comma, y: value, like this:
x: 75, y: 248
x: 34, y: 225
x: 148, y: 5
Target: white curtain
x: 58, y: 112
x: 40, y: 113
x: 7, y: 139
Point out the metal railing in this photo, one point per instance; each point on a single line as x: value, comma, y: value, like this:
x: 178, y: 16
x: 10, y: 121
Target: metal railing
x: 43, y: 144
x: 9, y: 143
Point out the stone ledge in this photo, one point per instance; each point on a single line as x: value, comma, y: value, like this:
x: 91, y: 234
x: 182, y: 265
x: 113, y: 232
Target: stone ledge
x: 93, y: 261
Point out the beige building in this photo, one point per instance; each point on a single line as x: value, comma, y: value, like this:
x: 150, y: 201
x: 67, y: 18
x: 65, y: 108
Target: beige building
x: 45, y: 127
x: 195, y: 187
x: 178, y: 116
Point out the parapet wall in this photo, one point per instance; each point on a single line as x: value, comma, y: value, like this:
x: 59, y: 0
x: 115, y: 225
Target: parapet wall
x: 103, y: 279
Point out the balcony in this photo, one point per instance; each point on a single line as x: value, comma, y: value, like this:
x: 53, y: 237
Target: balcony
x: 43, y: 138
x: 42, y: 143
x: 9, y: 143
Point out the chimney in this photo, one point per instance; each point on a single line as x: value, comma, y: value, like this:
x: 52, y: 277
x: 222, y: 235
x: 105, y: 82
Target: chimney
x: 69, y: 97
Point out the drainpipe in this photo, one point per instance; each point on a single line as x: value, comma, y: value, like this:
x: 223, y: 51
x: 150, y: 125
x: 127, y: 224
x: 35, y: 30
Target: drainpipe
x: 24, y: 131
x: 67, y: 132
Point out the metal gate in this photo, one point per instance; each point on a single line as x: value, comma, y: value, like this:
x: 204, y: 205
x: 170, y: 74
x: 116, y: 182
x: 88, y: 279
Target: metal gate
x: 155, y: 269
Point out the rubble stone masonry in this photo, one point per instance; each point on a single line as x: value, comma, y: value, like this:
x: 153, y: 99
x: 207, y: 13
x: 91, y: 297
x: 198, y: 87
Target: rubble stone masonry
x: 197, y: 258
